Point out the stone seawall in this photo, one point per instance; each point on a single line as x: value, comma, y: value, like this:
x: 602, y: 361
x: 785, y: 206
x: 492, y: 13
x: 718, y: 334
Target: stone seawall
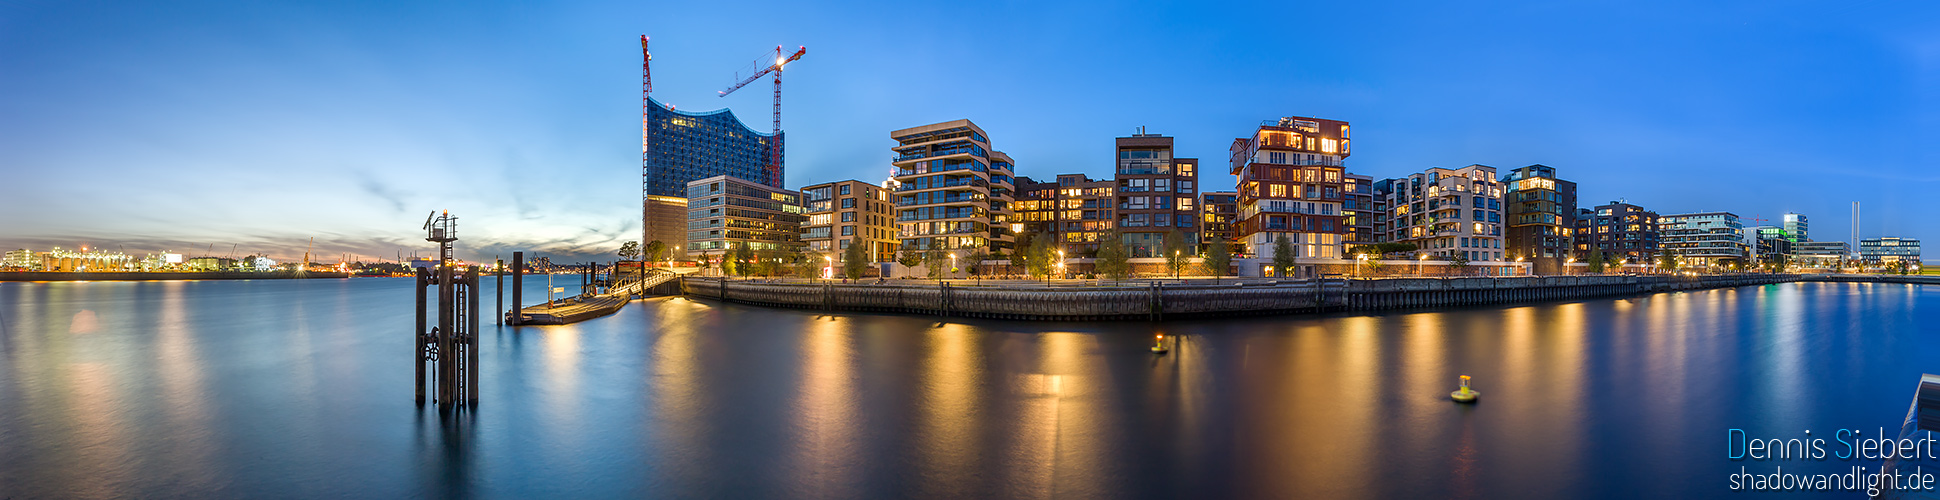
x: 49, y: 276
x: 1158, y: 301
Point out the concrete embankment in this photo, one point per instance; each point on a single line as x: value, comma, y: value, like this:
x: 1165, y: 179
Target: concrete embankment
x: 280, y: 275
x: 1158, y: 301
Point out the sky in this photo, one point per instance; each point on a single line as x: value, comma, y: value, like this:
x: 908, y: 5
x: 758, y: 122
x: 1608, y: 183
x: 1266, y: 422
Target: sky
x: 257, y: 126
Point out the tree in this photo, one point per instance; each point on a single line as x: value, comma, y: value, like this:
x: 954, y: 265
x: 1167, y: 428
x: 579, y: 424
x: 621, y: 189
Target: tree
x: 934, y: 259
x: 974, y: 262
x: 1113, y: 260
x: 1219, y: 257
x: 1178, y: 253
x: 1282, y: 256
x: 855, y: 259
x: 1596, y: 261
x: 808, y: 263
x: 630, y: 250
x: 1043, y: 256
x: 1459, y: 262
x: 745, y: 261
x: 1667, y: 262
x: 1020, y: 255
x: 910, y: 257
x: 655, y: 250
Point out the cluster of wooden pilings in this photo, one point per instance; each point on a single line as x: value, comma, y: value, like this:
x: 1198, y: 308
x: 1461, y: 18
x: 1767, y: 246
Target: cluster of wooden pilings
x: 1159, y: 301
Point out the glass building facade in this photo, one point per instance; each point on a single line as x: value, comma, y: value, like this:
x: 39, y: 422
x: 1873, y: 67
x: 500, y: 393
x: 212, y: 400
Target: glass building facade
x: 686, y: 147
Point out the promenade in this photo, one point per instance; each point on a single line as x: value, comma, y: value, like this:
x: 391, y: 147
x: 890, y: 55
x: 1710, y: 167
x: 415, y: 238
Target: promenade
x: 1160, y: 299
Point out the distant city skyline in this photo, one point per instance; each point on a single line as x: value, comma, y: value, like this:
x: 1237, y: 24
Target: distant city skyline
x: 161, y: 127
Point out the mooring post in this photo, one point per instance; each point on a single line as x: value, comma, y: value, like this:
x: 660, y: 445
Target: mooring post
x: 447, y: 370
x: 498, y: 281
x: 471, y: 338
x: 518, y: 286
x: 418, y: 334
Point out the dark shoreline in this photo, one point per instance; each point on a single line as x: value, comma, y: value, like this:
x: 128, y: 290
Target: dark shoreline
x: 127, y: 276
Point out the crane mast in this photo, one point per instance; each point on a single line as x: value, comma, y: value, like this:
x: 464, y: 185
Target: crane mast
x: 646, y: 186
x: 774, y: 141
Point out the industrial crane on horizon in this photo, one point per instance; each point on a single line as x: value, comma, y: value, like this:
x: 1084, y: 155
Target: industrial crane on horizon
x: 774, y: 141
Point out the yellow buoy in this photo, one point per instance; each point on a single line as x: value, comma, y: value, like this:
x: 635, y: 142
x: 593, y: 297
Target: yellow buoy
x: 1465, y: 394
x: 1158, y: 344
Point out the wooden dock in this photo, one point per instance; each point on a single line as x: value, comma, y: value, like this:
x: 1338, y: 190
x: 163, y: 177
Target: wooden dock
x: 572, y: 309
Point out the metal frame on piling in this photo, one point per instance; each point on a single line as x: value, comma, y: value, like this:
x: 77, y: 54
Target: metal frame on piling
x: 447, y: 353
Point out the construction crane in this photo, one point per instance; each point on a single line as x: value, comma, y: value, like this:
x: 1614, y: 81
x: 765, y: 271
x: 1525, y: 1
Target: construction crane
x: 306, y: 253
x: 646, y: 151
x: 774, y: 141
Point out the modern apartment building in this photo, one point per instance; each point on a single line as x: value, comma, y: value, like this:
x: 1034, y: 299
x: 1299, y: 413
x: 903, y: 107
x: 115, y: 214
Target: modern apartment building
x: 1358, y: 203
x: 1448, y: 213
x: 1821, y: 254
x: 1795, y: 227
x: 1075, y: 209
x: 1220, y: 211
x: 1291, y: 183
x: 1768, y: 243
x: 1540, y: 214
x: 683, y: 147
x: 1889, y: 250
x: 1703, y: 239
x: 723, y: 211
x: 1157, y: 195
x: 850, y: 212
x: 1622, y: 231
x: 952, y: 190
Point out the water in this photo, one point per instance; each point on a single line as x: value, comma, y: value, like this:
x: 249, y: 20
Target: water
x: 303, y: 389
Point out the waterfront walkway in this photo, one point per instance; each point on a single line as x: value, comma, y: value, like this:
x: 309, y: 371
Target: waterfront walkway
x: 1160, y: 299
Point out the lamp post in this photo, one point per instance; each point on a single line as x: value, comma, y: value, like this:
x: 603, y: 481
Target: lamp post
x: 1566, y: 264
x: 1362, y: 258
x: 1060, y: 263
x: 1423, y: 260
x: 1519, y: 263
x: 829, y: 272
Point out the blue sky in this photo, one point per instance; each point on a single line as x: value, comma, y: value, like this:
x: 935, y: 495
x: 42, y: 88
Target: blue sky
x: 186, y: 125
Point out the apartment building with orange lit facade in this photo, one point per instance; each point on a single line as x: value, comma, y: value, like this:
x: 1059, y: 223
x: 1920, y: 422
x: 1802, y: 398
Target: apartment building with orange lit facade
x: 952, y: 191
x: 1075, y: 209
x: 1158, y: 193
x: 1540, y: 218
x: 1291, y: 183
x: 850, y: 212
x: 1447, y: 213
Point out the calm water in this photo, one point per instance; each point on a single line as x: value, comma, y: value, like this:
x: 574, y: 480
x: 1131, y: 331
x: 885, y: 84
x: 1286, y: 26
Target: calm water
x: 303, y: 389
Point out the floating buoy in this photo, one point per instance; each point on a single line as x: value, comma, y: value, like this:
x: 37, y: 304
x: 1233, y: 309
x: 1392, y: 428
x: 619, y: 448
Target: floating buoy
x: 1465, y: 394
x: 1158, y: 344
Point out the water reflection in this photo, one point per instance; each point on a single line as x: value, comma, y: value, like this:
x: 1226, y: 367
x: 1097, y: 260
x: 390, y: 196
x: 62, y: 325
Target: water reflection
x: 242, y: 389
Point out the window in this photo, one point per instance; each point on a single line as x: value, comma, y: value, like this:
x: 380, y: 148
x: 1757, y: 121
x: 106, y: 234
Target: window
x: 1185, y: 186
x: 1276, y: 157
x: 848, y: 202
x: 1161, y: 219
x: 848, y: 230
x: 1277, y: 190
x: 1160, y: 185
x: 848, y: 216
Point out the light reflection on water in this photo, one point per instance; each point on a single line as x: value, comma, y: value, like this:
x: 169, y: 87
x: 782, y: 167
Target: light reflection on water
x: 279, y: 389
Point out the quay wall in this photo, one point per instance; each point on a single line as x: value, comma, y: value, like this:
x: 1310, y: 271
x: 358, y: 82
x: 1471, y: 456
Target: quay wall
x: 118, y: 276
x: 1159, y: 301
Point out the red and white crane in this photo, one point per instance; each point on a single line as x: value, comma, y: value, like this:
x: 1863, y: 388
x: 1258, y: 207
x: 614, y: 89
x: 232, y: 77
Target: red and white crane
x: 774, y: 142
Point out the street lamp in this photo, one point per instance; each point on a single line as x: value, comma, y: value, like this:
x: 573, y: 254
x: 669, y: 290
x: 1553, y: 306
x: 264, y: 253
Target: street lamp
x: 829, y: 272
x: 1419, y: 263
x: 1357, y: 267
x: 1060, y: 263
